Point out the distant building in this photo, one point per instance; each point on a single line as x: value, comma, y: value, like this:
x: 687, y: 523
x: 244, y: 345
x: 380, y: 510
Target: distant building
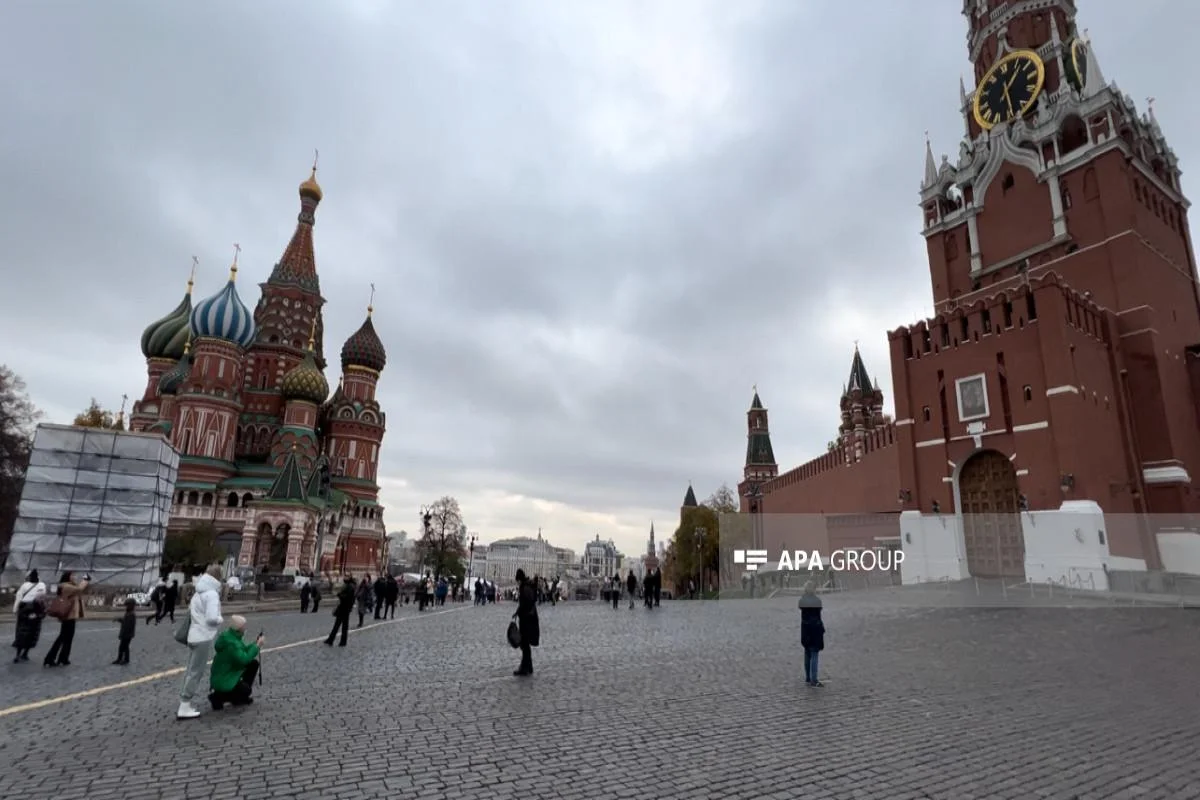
x: 505, y: 557
x: 600, y: 559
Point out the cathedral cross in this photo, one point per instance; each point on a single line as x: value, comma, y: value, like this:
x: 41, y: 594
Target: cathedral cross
x: 237, y: 252
x: 316, y: 156
x: 1150, y: 107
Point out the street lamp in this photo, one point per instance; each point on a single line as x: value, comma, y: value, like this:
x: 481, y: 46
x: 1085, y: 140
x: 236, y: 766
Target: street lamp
x: 700, y: 533
x: 425, y: 513
x: 471, y: 559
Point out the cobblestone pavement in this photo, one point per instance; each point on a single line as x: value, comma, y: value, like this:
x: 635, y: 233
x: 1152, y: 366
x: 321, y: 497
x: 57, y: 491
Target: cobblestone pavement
x: 692, y: 701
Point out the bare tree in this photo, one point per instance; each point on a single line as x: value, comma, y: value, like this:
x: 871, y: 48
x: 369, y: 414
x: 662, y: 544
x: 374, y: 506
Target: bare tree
x: 441, y: 545
x: 17, y: 419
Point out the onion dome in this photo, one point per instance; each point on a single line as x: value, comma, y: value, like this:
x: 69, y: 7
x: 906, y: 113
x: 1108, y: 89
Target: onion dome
x: 310, y: 188
x: 173, y: 378
x: 166, y: 337
x: 224, y: 316
x: 306, y: 381
x: 363, y: 348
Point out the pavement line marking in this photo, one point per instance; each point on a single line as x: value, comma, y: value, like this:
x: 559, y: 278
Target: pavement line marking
x: 166, y: 673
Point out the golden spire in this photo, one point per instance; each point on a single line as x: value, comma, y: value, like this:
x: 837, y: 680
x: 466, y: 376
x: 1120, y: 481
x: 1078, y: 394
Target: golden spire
x: 187, y: 345
x: 371, y: 302
x: 312, y: 335
x: 310, y: 186
x: 192, y: 277
x: 237, y: 252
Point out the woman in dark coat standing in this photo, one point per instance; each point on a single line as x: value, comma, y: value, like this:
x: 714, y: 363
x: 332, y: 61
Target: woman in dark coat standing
x: 527, y: 619
x: 812, y: 632
x: 30, y: 608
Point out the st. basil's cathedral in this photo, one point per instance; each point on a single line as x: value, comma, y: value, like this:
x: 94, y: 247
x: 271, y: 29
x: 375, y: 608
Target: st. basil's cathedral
x: 286, y: 472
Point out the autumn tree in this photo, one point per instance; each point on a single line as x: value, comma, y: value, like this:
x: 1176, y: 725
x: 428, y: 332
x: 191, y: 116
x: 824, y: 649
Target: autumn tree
x: 193, y: 549
x: 96, y: 417
x: 18, y: 416
x: 442, y: 547
x: 723, y: 501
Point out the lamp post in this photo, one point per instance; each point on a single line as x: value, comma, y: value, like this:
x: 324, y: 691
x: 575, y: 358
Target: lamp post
x: 700, y: 534
x: 470, y: 560
x: 426, y: 517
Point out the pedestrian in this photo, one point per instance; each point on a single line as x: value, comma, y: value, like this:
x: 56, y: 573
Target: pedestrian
x: 128, y: 629
x: 341, y: 613
x: 527, y: 619
x: 170, y: 600
x: 204, y: 620
x: 305, y: 597
x: 363, y: 598
x: 391, y: 595
x: 67, y: 608
x: 812, y: 632
x: 234, y: 666
x: 631, y: 587
x: 380, y: 594
x: 29, y: 608
x: 615, y: 589
x: 316, y: 596
x: 156, y: 597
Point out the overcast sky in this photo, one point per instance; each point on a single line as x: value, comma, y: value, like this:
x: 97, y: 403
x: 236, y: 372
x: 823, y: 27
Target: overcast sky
x: 593, y: 226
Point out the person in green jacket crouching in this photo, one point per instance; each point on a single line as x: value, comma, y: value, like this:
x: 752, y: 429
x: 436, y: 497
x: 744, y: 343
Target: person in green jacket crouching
x: 234, y: 666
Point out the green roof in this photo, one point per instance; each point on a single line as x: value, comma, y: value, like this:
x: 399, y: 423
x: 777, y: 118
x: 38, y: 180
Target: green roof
x: 289, y: 484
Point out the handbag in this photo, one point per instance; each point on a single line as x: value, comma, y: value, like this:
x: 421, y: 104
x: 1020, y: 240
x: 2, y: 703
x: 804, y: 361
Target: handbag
x: 514, y: 635
x: 184, y: 627
x: 60, y: 608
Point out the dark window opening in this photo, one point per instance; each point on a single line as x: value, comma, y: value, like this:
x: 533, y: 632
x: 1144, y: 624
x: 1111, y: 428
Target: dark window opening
x: 1027, y: 392
x: 1031, y: 307
x: 926, y: 344
x: 1007, y: 183
x: 1008, y: 313
x: 925, y: 412
x: 986, y: 320
x: 964, y: 329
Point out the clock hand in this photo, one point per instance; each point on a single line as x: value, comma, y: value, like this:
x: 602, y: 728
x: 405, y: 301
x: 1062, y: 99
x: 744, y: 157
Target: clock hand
x: 1008, y: 100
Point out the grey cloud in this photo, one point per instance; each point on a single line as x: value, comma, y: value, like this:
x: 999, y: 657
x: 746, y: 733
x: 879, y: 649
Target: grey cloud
x: 564, y: 320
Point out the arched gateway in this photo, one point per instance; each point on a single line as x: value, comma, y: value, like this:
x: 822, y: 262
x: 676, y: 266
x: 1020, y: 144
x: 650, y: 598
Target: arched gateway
x: 991, y: 510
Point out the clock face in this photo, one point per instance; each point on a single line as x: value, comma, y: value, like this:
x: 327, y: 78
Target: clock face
x: 1077, y: 64
x: 1009, y: 89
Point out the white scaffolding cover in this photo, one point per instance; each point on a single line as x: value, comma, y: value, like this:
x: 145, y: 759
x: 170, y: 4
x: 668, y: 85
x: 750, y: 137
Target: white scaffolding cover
x: 97, y: 502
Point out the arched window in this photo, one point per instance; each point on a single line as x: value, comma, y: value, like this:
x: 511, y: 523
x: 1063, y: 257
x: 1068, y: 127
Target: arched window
x: 193, y: 498
x: 232, y: 500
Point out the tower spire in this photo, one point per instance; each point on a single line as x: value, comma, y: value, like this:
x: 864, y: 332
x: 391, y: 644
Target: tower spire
x: 930, y: 164
x: 192, y: 277
x: 371, y: 302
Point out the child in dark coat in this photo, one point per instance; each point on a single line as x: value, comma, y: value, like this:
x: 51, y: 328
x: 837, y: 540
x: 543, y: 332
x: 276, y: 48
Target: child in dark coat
x: 812, y: 632
x: 128, y: 628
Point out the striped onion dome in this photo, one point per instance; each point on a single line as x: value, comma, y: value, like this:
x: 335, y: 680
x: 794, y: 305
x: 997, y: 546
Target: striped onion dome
x: 165, y: 338
x: 223, y: 316
x: 173, y: 378
x: 306, y: 381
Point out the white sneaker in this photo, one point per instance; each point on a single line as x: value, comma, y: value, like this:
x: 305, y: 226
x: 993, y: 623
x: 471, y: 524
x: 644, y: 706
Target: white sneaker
x: 186, y: 712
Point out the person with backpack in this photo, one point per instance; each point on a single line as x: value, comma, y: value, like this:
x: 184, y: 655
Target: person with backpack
x: 29, y: 608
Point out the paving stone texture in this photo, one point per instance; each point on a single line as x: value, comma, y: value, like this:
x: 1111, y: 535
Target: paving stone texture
x: 695, y: 700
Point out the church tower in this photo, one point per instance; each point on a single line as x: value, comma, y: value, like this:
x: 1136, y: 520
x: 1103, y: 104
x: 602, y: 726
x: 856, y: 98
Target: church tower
x: 163, y: 344
x: 760, y: 456
x: 208, y: 400
x: 287, y: 317
x: 353, y: 422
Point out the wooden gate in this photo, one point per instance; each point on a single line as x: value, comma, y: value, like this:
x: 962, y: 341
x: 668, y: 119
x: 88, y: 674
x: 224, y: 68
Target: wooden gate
x: 991, y: 512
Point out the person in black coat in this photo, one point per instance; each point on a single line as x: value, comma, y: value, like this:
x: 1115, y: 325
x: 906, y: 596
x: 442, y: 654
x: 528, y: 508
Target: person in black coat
x: 527, y: 619
x: 305, y: 597
x: 341, y: 614
x: 812, y: 632
x: 316, y: 595
x: 170, y: 600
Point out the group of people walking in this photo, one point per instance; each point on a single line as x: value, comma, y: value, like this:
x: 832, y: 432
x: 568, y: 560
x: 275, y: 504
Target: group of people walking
x: 650, y: 590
